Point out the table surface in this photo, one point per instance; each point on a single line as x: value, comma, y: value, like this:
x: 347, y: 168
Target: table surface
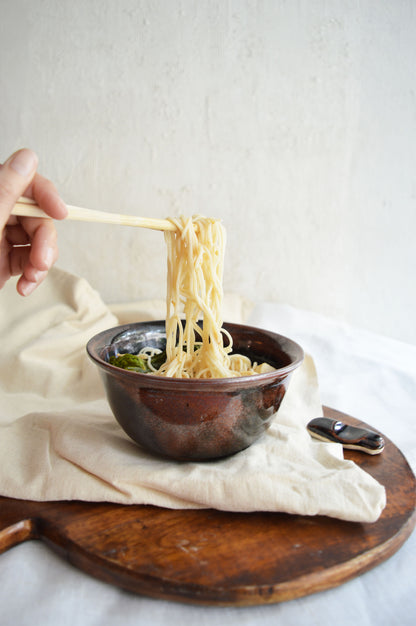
x: 368, y: 376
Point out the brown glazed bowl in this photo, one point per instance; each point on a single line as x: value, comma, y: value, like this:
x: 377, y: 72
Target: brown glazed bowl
x: 192, y: 419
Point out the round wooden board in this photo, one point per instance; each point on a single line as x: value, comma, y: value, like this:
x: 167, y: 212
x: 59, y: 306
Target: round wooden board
x: 220, y: 558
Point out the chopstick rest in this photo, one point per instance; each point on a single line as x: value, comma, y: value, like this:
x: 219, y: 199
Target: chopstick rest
x: 352, y: 437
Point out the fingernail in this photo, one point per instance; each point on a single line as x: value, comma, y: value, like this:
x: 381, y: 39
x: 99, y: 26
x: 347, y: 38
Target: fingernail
x: 28, y: 288
x: 24, y: 162
x: 48, y: 257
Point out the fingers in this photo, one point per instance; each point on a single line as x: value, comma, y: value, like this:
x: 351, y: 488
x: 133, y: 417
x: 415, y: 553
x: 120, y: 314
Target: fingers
x: 33, y: 261
x: 15, y: 176
x: 29, y: 244
x: 16, y: 235
x: 18, y: 177
x: 41, y: 234
x: 44, y: 249
x: 47, y: 197
x: 31, y: 277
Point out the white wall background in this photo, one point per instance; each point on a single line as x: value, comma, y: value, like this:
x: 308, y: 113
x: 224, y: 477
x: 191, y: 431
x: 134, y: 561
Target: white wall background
x: 293, y: 121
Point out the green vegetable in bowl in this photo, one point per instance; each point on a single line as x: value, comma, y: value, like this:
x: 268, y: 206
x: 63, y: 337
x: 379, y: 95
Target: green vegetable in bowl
x: 136, y: 363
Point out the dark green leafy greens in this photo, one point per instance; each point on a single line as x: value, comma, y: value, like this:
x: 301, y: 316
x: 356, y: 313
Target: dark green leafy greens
x: 135, y: 363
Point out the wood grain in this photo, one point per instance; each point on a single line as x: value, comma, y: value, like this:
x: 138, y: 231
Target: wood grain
x: 220, y: 558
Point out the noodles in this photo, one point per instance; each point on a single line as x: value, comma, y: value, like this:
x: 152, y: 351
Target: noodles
x: 195, y: 252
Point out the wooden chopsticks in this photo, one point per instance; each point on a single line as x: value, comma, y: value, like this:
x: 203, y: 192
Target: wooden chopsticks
x: 26, y: 207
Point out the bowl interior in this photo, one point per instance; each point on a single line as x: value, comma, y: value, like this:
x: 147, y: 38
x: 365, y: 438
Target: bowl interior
x: 257, y: 344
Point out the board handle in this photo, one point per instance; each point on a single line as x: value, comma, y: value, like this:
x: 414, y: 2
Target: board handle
x: 15, y: 528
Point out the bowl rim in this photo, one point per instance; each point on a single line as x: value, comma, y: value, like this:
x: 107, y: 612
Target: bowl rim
x: 105, y: 338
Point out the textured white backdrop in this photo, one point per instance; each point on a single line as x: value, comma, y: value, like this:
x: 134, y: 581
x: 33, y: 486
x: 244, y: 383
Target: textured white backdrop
x: 294, y: 122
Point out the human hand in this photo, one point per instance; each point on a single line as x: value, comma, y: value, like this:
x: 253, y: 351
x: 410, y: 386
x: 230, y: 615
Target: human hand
x: 28, y: 245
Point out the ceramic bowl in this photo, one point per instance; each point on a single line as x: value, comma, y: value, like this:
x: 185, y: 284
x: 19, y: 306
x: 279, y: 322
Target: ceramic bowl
x: 191, y: 419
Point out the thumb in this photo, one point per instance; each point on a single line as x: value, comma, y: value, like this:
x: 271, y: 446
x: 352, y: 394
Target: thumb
x: 15, y: 176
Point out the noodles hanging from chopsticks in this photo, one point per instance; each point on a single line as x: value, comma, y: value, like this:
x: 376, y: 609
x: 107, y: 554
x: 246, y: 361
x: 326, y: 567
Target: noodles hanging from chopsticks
x: 195, y: 252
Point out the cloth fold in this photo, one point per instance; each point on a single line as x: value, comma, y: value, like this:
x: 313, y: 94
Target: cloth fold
x: 59, y: 440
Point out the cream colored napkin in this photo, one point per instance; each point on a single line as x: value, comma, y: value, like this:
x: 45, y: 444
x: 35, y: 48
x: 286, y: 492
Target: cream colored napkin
x: 59, y: 440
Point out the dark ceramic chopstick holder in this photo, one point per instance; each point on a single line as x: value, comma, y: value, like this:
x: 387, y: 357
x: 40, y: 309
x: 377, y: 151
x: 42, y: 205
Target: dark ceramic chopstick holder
x: 351, y: 437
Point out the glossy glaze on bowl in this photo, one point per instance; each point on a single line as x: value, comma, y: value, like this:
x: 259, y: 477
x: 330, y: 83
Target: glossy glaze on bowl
x: 193, y: 419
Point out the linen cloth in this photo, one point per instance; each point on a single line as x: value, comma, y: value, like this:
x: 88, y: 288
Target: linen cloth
x: 59, y: 440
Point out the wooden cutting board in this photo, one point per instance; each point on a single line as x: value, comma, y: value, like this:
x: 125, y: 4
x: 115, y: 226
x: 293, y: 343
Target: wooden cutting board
x: 219, y: 558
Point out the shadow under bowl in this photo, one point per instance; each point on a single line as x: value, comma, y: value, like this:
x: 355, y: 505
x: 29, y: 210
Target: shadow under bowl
x: 194, y: 419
